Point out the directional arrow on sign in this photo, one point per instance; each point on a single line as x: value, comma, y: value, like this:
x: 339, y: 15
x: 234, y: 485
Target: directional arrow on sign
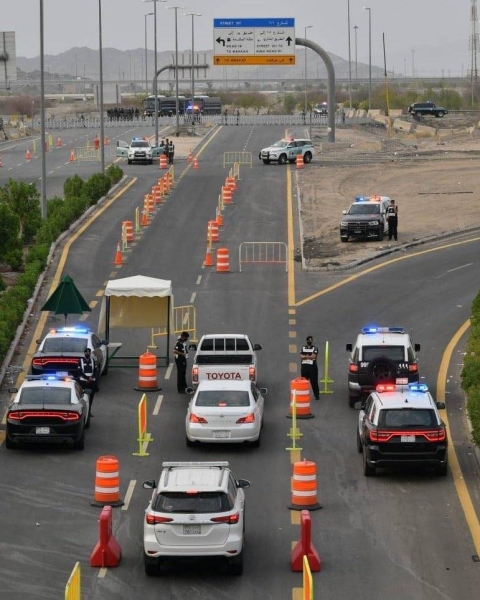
x: 220, y: 40
x: 289, y: 40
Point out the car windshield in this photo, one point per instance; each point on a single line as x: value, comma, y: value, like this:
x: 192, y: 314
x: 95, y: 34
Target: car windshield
x: 140, y: 144
x: 223, y: 398
x: 59, y: 344
x: 45, y: 395
x: 280, y: 144
x: 407, y: 417
x: 192, y: 502
x: 395, y: 353
x: 364, y: 209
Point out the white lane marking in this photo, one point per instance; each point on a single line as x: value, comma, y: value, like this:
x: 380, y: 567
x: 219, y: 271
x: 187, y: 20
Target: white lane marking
x: 102, y: 573
x: 192, y: 297
x: 158, y: 405
x: 199, y: 279
x: 169, y: 371
x: 458, y: 268
x: 129, y: 494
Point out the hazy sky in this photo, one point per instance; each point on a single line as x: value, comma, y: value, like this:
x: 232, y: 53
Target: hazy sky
x: 417, y: 25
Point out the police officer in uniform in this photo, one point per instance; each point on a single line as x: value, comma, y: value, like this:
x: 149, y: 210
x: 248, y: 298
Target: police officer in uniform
x: 88, y: 374
x: 171, y: 152
x: 392, y: 217
x: 181, y: 355
x: 309, y: 367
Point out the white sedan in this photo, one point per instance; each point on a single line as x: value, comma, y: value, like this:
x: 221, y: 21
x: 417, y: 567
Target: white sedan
x: 225, y: 412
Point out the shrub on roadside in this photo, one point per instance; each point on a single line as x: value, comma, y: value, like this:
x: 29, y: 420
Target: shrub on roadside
x: 114, y: 173
x: 471, y: 371
x: 96, y: 187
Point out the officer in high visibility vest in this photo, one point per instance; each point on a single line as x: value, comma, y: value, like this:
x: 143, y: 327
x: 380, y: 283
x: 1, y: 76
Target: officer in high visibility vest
x: 309, y: 367
x: 392, y: 217
x: 88, y: 374
x: 181, y: 355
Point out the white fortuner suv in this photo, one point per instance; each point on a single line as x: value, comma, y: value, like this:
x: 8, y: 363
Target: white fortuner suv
x: 196, y: 509
x: 288, y: 150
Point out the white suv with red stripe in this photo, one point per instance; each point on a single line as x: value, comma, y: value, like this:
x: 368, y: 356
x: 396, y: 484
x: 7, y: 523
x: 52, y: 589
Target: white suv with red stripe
x: 196, y: 509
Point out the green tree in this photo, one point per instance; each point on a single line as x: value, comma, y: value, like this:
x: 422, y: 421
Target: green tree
x: 289, y: 103
x: 23, y: 199
x: 9, y: 230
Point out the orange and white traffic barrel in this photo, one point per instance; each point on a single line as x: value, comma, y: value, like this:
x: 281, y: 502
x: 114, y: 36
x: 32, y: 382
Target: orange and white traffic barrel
x: 300, y: 398
x: 157, y: 194
x: 129, y: 230
x: 223, y: 265
x: 162, y: 163
x: 300, y: 162
x: 304, y: 486
x: 212, y: 231
x: 231, y: 183
x: 226, y: 195
x: 107, y: 482
x: 147, y: 373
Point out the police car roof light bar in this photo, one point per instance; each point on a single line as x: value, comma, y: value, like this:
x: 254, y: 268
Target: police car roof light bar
x: 386, y: 387
x: 373, y: 329
x: 418, y: 387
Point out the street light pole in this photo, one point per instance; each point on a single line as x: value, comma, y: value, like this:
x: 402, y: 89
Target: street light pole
x: 102, y: 123
x: 193, y: 15
x: 369, y: 56
x: 349, y: 58
x: 177, y: 103
x: 43, y: 196
x: 146, y: 51
x: 355, y: 27
x: 305, y: 36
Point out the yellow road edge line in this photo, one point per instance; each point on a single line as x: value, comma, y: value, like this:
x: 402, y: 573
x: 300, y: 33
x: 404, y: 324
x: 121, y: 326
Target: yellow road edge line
x: 290, y: 242
x: 56, y: 280
x: 458, y: 479
x: 378, y: 267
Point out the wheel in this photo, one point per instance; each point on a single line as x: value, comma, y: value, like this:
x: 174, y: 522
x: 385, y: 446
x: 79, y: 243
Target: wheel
x: 152, y: 566
x: 382, y: 370
x: 189, y: 442
x: 266, y: 161
x: 129, y: 161
x: 282, y: 159
x: 440, y: 114
x: 368, y: 471
x: 150, y: 162
x: 441, y: 470
x: 87, y: 422
x: 344, y: 239
x: 380, y: 235
x: 352, y: 400
x: 235, y: 564
x: 80, y: 444
x: 359, y: 444
x: 307, y: 157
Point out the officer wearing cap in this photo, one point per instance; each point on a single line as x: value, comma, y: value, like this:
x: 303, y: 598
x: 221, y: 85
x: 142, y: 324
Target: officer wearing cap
x: 181, y: 355
x: 309, y: 367
x: 88, y: 374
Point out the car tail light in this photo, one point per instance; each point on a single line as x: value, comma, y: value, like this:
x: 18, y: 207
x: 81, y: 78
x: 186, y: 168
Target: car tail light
x: 353, y: 368
x: 195, y: 375
x: 196, y: 419
x: 252, y: 373
x: 250, y: 418
x: 153, y: 519
x: 413, y: 368
x: 230, y: 519
x: 438, y: 435
x: 377, y: 435
x: 20, y: 415
x: 386, y: 387
x: 431, y: 435
x: 40, y: 362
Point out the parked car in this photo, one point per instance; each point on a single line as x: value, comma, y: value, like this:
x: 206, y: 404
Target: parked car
x: 421, y: 109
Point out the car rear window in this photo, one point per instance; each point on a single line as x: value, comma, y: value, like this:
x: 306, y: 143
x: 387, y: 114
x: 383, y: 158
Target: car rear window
x: 407, y: 417
x: 45, y: 395
x: 54, y: 345
x: 392, y: 352
x: 192, y: 502
x: 223, y: 398
x: 364, y: 209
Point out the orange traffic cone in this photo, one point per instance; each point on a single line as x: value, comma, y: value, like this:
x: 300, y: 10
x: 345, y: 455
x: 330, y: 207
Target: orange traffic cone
x: 28, y: 156
x: 59, y: 143
x: 144, y: 218
x: 118, y: 256
x: 105, y: 141
x: 208, y: 258
x: 72, y: 155
x: 195, y: 163
x: 190, y: 157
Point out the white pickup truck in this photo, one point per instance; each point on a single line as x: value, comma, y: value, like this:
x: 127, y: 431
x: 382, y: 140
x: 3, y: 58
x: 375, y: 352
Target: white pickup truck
x: 224, y: 357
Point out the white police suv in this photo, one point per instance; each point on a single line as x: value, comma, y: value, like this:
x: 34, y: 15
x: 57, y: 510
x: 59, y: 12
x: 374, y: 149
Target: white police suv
x: 401, y: 425
x: 380, y: 355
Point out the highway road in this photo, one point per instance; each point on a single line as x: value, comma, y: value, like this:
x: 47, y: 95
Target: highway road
x: 400, y: 534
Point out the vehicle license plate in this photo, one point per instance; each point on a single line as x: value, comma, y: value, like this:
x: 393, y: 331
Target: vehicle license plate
x: 42, y: 430
x: 192, y: 530
x: 221, y: 434
x: 61, y: 374
x: 357, y: 231
x: 401, y: 381
x: 407, y: 438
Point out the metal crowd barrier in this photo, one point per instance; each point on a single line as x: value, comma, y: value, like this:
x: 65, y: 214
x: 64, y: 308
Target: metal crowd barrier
x: 263, y: 253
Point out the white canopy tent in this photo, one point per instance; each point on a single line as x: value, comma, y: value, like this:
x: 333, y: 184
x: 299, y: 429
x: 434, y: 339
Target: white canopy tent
x: 135, y: 302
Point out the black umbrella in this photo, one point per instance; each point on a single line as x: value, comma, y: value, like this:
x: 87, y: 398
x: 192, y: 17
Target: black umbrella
x: 66, y: 300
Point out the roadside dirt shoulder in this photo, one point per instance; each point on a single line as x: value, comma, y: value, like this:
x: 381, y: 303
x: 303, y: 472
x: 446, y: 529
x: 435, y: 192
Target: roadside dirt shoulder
x: 436, y: 187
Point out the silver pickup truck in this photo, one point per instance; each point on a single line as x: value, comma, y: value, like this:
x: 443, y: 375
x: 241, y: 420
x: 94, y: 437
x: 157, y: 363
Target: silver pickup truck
x: 224, y: 357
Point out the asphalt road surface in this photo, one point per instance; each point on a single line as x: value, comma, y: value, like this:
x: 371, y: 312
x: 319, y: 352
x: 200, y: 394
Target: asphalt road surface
x: 399, y: 535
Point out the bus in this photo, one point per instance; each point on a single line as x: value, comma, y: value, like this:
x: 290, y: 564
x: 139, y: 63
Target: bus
x: 204, y: 105
x: 149, y: 105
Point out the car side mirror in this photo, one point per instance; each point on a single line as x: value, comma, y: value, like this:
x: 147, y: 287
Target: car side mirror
x: 344, y: 212
x: 12, y: 390
x: 189, y: 390
x: 417, y: 347
x: 348, y: 347
x: 149, y: 484
x: 359, y: 405
x: 38, y: 341
x: 257, y: 346
x: 192, y: 347
x: 243, y: 483
x: 441, y: 405
x: 263, y: 391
